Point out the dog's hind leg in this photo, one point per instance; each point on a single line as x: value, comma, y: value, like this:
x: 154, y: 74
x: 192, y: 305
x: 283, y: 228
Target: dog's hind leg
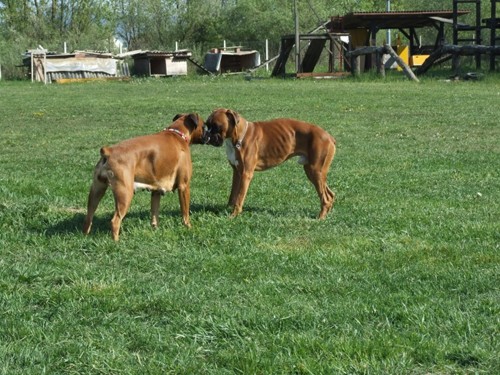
x: 123, y: 197
x: 184, y: 200
x: 326, y: 196
x: 96, y: 193
x: 326, y: 208
x: 325, y: 168
x: 320, y: 185
x: 317, y: 173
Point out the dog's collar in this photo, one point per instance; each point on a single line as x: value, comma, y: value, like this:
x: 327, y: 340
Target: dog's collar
x: 179, y: 133
x: 239, y: 143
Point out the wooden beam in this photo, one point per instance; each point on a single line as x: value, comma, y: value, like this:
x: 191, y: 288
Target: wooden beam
x: 379, y: 51
x: 409, y: 73
x: 457, y: 50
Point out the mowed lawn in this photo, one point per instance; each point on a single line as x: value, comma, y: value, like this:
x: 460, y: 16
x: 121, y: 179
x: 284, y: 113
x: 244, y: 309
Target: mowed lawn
x: 401, y: 278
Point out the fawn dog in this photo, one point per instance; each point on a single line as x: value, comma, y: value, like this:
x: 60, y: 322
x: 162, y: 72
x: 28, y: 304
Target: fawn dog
x: 158, y: 162
x: 257, y: 146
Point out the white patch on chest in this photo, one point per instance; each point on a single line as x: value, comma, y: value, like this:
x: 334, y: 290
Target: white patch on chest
x: 231, y: 152
x: 148, y: 187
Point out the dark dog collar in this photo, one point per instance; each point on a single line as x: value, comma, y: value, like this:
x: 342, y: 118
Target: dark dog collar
x: 239, y: 143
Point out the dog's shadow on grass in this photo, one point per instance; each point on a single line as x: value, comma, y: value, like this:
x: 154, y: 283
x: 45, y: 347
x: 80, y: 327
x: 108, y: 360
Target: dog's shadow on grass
x: 101, y: 221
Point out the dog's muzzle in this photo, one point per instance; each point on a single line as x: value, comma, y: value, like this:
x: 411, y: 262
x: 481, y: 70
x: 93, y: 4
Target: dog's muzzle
x: 212, y: 136
x: 216, y: 140
x: 205, y: 136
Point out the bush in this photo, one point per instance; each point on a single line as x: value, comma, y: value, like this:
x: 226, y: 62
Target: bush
x: 11, y: 57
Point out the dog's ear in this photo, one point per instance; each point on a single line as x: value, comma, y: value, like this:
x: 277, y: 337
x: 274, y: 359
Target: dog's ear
x: 233, y: 116
x: 195, y: 118
x: 178, y: 116
x: 192, y: 121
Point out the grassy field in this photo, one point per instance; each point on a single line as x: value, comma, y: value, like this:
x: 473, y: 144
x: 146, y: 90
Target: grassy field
x: 401, y: 278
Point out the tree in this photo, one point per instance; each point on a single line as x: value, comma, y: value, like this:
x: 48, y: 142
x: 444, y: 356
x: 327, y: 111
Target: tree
x: 51, y: 21
x: 130, y: 21
x: 198, y: 21
x: 157, y: 24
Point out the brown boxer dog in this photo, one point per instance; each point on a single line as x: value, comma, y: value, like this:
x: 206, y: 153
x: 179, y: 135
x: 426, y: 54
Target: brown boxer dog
x: 257, y: 146
x: 158, y: 162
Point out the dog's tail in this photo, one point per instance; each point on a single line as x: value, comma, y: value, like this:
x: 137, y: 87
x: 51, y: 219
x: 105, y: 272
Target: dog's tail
x: 333, y: 139
x: 334, y: 144
x: 102, y: 173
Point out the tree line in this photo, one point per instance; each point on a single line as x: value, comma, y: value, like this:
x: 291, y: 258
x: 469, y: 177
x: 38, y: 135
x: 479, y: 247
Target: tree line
x: 158, y: 24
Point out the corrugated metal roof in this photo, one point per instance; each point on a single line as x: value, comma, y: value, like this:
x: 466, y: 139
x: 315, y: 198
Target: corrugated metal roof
x: 178, y: 53
x: 409, y: 12
x: 78, y: 54
x: 390, y: 20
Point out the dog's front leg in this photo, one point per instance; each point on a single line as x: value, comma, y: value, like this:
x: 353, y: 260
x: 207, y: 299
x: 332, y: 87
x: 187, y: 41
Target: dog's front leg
x: 184, y: 197
x: 155, y: 208
x: 244, y: 183
x: 235, y: 186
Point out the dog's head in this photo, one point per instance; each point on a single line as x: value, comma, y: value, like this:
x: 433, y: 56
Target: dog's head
x: 194, y: 125
x: 221, y: 124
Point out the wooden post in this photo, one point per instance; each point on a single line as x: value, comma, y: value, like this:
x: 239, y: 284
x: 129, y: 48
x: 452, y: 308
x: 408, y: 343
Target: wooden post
x: 32, y: 67
x: 409, y: 73
x: 297, y: 39
x: 493, y: 37
x: 388, y: 9
x: 355, y: 62
x: 455, y: 63
x: 331, y: 57
x: 380, y: 62
x: 267, y: 54
x: 45, y: 68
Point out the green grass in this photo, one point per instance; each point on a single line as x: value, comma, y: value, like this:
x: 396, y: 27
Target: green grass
x: 401, y: 278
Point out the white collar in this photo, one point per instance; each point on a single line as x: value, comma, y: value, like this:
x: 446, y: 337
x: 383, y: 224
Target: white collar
x: 176, y: 131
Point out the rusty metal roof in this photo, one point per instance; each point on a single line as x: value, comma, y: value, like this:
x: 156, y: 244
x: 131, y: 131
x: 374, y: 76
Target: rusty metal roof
x: 149, y: 54
x: 391, y: 20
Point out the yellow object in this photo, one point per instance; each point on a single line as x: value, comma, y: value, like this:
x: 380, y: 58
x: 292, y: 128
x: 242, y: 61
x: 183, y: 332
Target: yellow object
x: 404, y: 53
x: 83, y: 80
x: 418, y: 60
x: 359, y: 37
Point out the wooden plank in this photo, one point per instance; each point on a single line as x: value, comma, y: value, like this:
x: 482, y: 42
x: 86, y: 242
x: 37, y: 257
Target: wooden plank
x: 83, y: 80
x: 264, y: 63
x: 322, y: 75
x: 456, y: 50
x: 367, y: 50
x: 286, y: 48
x: 312, y: 55
x: 401, y: 63
x: 197, y: 64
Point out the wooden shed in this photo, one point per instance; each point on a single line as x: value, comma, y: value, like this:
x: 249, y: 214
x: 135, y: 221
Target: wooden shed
x: 44, y: 66
x: 160, y: 63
